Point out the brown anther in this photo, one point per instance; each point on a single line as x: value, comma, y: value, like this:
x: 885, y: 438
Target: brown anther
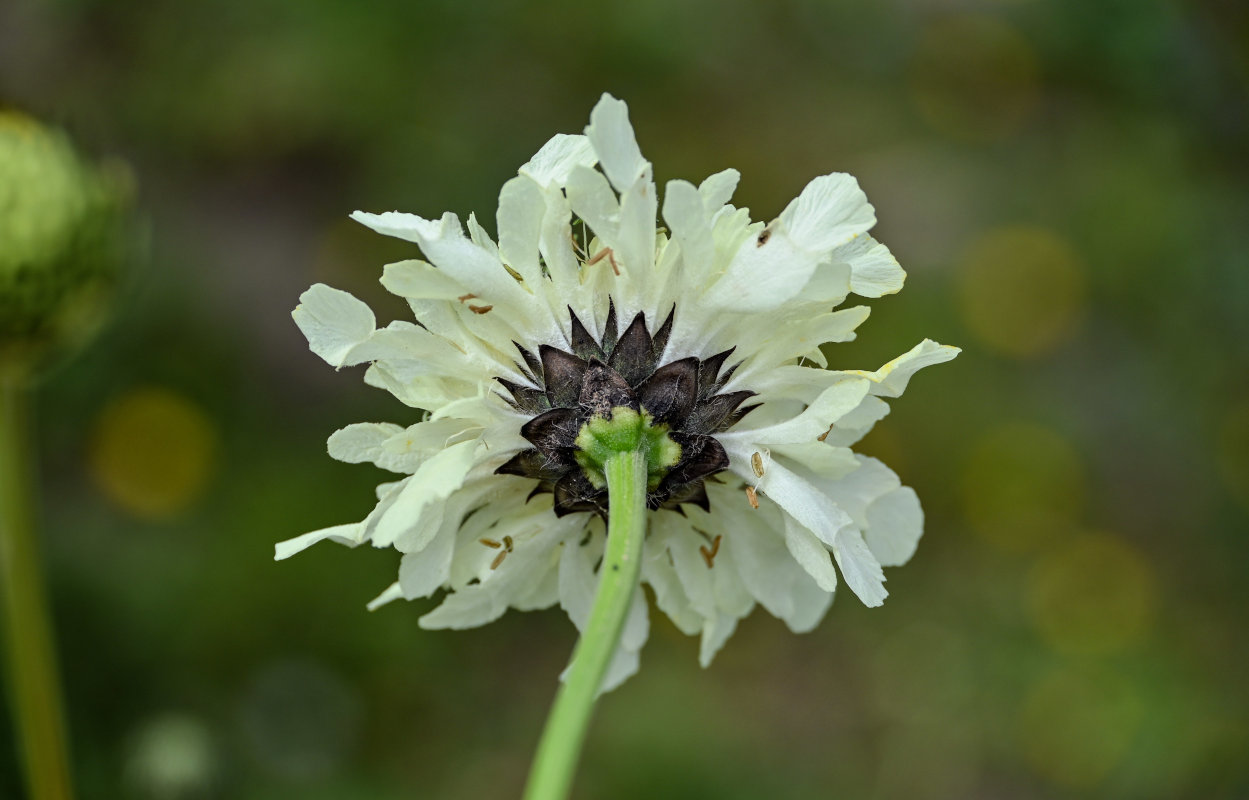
x: 491, y: 543
x: 507, y: 542
x: 464, y: 297
x: 479, y: 309
x: 752, y: 496
x: 709, y: 553
x: 756, y: 463
x: 498, y: 559
x: 825, y: 434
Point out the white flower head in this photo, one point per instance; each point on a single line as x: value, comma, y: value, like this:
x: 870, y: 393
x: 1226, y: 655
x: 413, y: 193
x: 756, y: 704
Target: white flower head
x: 710, y: 326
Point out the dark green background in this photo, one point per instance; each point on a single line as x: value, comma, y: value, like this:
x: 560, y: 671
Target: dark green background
x: 1073, y: 623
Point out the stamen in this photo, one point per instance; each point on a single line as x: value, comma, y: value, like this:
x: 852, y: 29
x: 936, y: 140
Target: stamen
x: 752, y: 496
x: 479, y: 309
x: 491, y: 543
x: 756, y: 464
x: 611, y: 257
x: 709, y: 553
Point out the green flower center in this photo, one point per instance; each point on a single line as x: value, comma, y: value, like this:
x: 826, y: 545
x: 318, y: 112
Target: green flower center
x: 625, y: 430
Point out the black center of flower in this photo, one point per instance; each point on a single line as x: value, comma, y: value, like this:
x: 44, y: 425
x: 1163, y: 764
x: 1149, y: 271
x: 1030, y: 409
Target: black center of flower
x: 569, y: 388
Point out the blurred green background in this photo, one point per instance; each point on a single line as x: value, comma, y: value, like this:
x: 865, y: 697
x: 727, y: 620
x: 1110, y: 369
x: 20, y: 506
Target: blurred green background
x: 1066, y: 183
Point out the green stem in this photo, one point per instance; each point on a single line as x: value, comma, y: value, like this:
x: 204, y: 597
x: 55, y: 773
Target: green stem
x: 34, y: 686
x: 556, y: 761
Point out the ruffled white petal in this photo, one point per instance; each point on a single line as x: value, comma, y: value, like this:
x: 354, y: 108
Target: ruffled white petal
x: 551, y: 164
x: 891, y: 379
x: 343, y: 534
x: 895, y: 522
x: 613, y: 140
x: 333, y: 321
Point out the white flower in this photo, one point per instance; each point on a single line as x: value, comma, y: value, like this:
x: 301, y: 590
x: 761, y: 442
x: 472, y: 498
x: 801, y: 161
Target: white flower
x: 709, y: 326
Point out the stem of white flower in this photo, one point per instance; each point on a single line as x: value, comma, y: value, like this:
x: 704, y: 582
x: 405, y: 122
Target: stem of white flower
x: 555, y: 764
x: 33, y: 681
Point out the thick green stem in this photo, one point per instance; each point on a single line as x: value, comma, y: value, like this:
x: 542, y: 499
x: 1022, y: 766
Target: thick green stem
x: 555, y: 764
x: 34, y: 685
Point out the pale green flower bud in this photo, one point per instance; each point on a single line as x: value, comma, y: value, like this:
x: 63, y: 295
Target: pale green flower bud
x: 63, y: 239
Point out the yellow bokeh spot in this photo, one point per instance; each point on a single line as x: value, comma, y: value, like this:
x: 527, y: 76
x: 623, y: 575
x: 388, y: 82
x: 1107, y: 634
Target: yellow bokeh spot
x: 974, y: 78
x: 1233, y: 452
x: 152, y: 452
x: 1023, y: 486
x: 1094, y: 595
x: 1021, y: 290
x: 1076, y: 726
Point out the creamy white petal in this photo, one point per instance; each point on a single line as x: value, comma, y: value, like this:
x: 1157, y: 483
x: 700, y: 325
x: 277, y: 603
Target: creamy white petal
x: 422, y: 572
x: 859, y: 567
x: 522, y: 207
x: 830, y: 211
x: 830, y: 406
x: 811, y: 554
x: 691, y: 226
x: 612, y: 136
x: 716, y: 190
x: 333, y: 322
x: 343, y: 534
x: 391, y: 594
x: 551, y: 164
x: 891, y: 379
x: 874, y: 272
x: 361, y: 443
x: 438, y: 477
x: 895, y: 523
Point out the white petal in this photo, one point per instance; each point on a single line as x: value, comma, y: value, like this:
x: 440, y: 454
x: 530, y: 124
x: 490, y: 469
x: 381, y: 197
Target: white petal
x: 333, y: 321
x: 361, y: 443
x: 691, y: 225
x: 670, y: 597
x: 422, y: 572
x: 522, y: 207
x: 433, y: 481
x: 551, y: 164
x: 718, y: 189
x: 859, y: 567
x: 891, y: 379
x: 825, y: 460
x: 343, y: 534
x: 811, y: 554
x: 763, y: 276
x: 829, y: 212
x: 829, y: 407
x: 874, y: 271
x: 617, y: 148
x: 895, y: 523
x: 391, y: 594
x: 420, y: 280
x: 592, y: 199
x: 798, y: 497
x: 856, y: 424
x: 716, y: 632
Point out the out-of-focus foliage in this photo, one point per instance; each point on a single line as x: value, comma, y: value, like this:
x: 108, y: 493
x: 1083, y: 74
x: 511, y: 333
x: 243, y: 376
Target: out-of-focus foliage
x: 1068, y: 185
x: 62, y: 240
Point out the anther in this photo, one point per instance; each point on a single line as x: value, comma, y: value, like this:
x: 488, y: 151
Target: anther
x: 709, y: 553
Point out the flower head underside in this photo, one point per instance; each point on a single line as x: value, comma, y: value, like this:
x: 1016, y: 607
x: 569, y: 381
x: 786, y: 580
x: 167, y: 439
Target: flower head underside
x: 709, y: 331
